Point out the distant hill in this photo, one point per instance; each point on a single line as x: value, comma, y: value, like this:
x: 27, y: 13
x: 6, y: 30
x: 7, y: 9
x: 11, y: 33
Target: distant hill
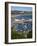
x: 21, y: 12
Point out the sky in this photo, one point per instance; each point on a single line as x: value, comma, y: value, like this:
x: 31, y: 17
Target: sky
x: 21, y: 8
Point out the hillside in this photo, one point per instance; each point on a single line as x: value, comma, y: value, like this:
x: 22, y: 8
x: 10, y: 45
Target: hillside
x: 21, y: 12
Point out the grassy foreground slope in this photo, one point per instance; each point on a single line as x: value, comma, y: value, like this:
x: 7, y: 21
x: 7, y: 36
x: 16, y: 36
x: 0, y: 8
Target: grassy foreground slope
x: 20, y: 35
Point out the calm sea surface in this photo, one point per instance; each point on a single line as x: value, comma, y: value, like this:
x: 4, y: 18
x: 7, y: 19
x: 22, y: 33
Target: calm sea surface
x: 24, y: 26
x: 24, y: 17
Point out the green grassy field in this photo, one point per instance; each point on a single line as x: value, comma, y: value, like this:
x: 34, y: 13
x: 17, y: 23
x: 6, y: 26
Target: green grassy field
x: 20, y: 34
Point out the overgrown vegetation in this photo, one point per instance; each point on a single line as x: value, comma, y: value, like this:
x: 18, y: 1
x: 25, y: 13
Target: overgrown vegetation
x: 20, y: 34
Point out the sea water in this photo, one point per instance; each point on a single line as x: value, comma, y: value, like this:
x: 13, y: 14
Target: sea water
x: 25, y: 26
